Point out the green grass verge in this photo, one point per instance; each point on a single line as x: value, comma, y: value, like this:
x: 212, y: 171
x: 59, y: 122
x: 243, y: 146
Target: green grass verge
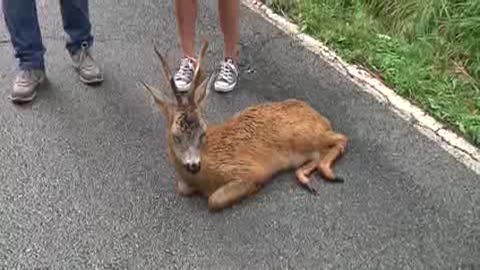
x: 428, y: 51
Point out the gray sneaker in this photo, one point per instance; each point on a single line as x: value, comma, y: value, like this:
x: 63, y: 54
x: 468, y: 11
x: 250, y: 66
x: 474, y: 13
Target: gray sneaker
x: 184, y: 76
x: 25, y: 85
x: 84, y: 63
x: 228, y: 77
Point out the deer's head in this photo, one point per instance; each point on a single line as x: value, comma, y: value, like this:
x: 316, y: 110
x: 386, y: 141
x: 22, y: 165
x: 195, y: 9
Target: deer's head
x: 183, y: 112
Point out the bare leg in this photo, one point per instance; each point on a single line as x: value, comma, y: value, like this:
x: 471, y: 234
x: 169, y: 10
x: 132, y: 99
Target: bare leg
x: 186, y: 12
x: 230, y: 194
x: 229, y: 12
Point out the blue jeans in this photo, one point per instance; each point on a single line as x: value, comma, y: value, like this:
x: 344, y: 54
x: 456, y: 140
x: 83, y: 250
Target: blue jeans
x: 22, y: 23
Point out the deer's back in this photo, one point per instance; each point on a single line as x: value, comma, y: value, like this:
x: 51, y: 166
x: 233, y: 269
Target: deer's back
x: 265, y: 133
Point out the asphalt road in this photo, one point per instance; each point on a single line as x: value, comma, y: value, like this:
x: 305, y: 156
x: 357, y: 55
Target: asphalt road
x: 85, y: 182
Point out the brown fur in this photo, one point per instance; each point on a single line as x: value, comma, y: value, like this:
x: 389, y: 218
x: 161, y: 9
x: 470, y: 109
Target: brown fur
x: 241, y: 154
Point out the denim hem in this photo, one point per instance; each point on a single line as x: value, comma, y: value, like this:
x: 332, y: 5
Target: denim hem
x: 31, y: 66
x: 74, y: 47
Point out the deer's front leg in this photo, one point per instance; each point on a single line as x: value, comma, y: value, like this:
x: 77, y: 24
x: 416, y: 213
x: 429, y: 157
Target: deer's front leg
x: 230, y: 194
x: 183, y: 189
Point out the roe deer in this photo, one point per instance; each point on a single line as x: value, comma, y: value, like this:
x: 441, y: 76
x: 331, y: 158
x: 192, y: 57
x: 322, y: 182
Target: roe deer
x: 229, y: 161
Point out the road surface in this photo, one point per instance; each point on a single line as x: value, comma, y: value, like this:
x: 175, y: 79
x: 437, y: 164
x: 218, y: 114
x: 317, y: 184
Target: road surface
x: 85, y: 181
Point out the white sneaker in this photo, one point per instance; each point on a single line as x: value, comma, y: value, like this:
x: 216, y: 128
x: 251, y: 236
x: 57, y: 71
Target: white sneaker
x: 184, y: 76
x: 228, y: 77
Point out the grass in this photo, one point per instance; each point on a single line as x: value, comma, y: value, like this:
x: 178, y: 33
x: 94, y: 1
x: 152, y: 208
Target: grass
x: 428, y: 51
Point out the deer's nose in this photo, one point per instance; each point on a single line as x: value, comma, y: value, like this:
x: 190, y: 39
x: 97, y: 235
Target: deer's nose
x: 193, y: 167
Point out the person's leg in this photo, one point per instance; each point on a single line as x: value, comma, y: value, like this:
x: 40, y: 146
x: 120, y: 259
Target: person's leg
x: 229, y: 13
x: 186, y: 14
x: 22, y: 24
x: 77, y: 26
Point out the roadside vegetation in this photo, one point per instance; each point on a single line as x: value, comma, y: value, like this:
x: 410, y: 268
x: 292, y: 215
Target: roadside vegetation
x: 428, y: 51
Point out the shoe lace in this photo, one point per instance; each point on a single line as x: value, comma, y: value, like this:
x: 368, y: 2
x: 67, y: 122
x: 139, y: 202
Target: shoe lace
x: 227, y: 71
x: 185, y: 71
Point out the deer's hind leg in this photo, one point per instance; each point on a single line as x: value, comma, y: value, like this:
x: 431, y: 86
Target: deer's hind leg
x: 303, y: 175
x: 335, y: 149
x: 330, y: 145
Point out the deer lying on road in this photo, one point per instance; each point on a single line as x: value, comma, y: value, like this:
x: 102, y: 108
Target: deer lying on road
x: 230, y: 161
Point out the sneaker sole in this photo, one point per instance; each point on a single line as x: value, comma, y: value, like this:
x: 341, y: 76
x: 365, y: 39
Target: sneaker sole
x: 225, y: 89
x: 92, y: 81
x: 184, y: 88
x: 21, y: 100
x: 26, y: 99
